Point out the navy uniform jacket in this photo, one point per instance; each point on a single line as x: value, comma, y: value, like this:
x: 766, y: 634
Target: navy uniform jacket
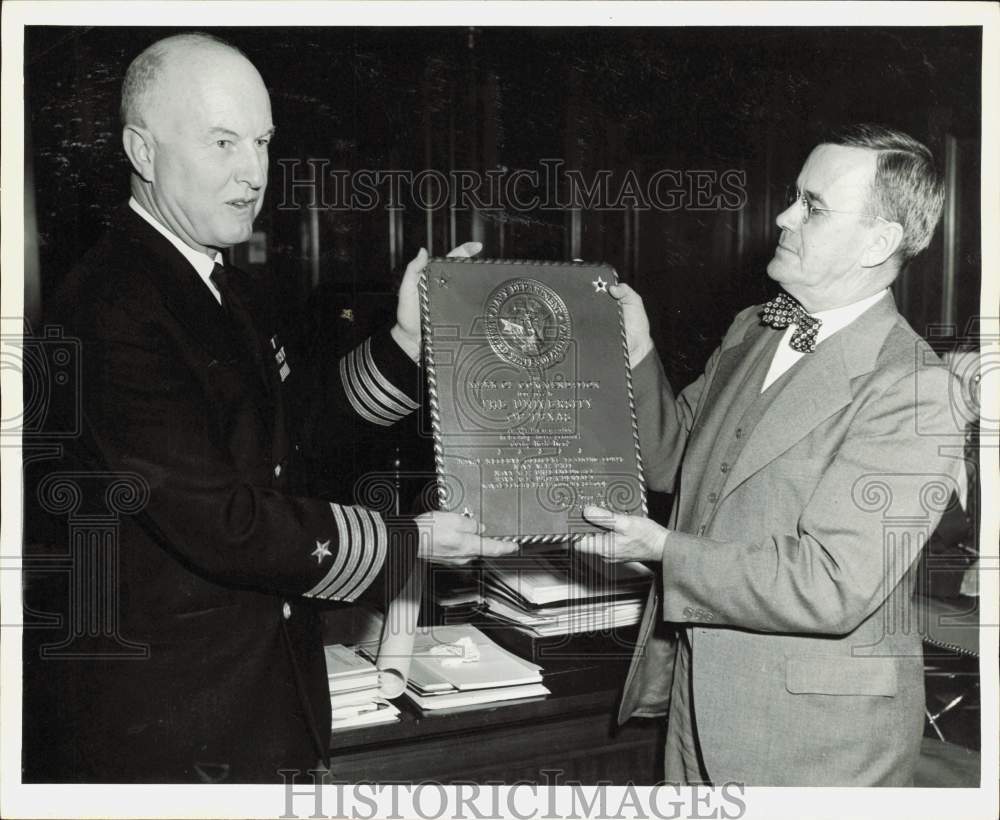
x: 222, y: 572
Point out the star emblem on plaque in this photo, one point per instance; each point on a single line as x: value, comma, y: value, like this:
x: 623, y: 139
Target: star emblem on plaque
x: 600, y: 286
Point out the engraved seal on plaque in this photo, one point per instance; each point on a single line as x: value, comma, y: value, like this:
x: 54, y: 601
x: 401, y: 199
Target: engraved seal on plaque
x: 527, y: 324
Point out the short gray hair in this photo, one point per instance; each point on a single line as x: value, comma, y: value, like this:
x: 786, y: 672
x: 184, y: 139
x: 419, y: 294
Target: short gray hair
x: 908, y: 187
x: 144, y: 71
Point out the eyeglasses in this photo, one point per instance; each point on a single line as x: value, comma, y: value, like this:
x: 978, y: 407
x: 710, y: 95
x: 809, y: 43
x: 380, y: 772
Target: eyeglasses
x: 794, y: 196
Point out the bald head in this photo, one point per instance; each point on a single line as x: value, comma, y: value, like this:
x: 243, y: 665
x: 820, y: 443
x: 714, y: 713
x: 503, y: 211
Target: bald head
x: 156, y: 70
x: 196, y: 121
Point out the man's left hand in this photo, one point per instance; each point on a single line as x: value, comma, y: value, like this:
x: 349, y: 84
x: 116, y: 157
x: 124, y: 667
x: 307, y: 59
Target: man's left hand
x: 628, y: 537
x: 406, y: 331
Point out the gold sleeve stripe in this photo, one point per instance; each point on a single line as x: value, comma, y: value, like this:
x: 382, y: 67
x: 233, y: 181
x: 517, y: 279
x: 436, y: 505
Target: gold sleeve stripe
x: 374, y: 391
x: 375, y: 552
x: 365, y: 393
x: 353, y: 399
x: 340, y: 558
x: 384, y: 383
x: 349, y: 577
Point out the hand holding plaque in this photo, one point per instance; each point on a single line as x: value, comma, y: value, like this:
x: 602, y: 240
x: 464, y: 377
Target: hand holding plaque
x: 530, y: 395
x: 406, y: 331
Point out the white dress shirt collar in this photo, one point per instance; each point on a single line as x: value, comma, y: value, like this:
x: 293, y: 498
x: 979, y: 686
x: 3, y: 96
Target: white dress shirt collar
x: 833, y: 320
x: 201, y: 262
x: 838, y: 318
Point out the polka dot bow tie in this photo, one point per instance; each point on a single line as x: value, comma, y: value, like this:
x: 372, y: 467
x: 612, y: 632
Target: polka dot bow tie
x: 783, y: 311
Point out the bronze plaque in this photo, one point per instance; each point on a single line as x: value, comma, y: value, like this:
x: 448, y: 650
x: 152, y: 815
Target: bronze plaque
x: 530, y: 395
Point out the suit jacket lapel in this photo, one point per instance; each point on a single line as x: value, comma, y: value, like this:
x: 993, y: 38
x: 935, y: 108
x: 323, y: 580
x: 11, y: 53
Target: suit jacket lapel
x: 734, y: 367
x: 732, y: 376
x: 267, y: 366
x: 185, y: 294
x: 242, y: 291
x: 192, y: 304
x: 815, y: 388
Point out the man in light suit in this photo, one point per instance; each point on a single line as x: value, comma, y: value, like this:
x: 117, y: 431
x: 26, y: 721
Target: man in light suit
x: 806, y: 469
x: 198, y: 406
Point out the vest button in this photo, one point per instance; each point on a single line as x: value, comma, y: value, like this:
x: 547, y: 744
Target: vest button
x: 713, y: 497
x: 277, y: 470
x: 286, y: 610
x: 724, y: 467
x: 739, y: 432
x: 701, y: 529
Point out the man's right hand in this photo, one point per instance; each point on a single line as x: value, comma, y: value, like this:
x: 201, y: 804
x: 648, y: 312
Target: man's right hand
x: 636, y: 323
x: 406, y: 331
x: 457, y: 539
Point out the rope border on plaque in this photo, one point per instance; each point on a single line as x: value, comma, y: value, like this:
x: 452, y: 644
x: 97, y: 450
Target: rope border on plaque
x: 630, y: 390
x: 434, y: 408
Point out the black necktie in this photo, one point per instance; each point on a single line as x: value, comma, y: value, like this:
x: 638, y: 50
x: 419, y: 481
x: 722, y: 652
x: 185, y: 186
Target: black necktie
x: 240, y: 320
x: 783, y: 311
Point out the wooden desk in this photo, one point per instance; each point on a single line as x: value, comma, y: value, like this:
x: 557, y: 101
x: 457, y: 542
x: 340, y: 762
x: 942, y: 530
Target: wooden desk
x: 568, y: 736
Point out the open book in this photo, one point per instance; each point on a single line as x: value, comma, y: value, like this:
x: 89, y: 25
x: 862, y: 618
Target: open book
x: 456, y: 666
x: 461, y: 658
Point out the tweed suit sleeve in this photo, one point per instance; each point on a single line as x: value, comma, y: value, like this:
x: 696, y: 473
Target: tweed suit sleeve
x: 664, y: 418
x: 842, y: 555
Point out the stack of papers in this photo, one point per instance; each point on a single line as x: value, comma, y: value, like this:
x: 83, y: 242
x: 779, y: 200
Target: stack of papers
x: 459, y: 666
x: 559, y: 593
x: 454, y: 592
x: 354, y: 690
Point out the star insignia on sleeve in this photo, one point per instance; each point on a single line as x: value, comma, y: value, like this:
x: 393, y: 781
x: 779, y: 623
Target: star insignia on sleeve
x: 322, y: 551
x: 600, y: 286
